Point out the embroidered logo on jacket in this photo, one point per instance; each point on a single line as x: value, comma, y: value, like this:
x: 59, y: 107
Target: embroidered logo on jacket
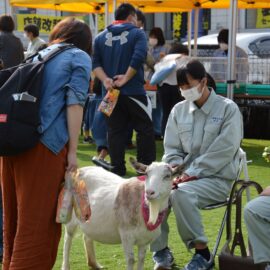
x: 216, y: 120
x: 110, y: 38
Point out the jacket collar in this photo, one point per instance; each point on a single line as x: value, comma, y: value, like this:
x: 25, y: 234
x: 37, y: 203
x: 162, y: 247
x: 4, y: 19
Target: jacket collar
x: 207, y: 106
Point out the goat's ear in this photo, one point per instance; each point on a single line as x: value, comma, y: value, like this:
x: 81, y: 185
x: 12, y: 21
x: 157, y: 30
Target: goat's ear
x: 178, y: 170
x: 137, y: 166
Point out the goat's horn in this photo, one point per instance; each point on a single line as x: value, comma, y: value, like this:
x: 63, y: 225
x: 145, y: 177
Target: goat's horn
x: 178, y: 169
x: 139, y: 167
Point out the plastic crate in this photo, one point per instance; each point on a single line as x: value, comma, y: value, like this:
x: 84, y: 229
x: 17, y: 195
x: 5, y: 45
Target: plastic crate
x: 238, y: 88
x: 258, y: 89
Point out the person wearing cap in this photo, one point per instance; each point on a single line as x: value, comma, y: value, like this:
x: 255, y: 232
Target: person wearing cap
x: 219, y: 66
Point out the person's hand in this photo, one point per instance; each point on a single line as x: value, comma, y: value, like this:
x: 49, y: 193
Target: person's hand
x: 161, y: 55
x: 108, y: 84
x: 184, y: 177
x: 72, y: 163
x: 266, y: 192
x: 120, y: 80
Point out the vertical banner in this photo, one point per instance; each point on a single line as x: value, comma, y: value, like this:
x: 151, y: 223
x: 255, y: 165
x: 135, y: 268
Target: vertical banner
x: 101, y: 22
x: 263, y: 18
x: 177, y: 23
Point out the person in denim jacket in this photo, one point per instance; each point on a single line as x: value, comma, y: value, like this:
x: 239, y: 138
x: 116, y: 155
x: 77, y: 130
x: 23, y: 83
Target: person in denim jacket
x: 31, y: 181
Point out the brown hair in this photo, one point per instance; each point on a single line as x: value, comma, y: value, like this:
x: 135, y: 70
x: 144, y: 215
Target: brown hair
x: 6, y: 23
x: 74, y: 31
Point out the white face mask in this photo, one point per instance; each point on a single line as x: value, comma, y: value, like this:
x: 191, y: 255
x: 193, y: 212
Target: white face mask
x: 153, y: 41
x: 191, y: 94
x: 223, y: 46
x: 25, y: 35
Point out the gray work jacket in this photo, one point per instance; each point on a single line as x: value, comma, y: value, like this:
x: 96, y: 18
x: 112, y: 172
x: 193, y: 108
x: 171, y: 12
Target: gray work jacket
x: 206, y: 139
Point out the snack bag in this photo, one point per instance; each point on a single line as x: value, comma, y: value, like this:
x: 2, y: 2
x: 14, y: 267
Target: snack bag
x: 109, y: 101
x: 81, y: 201
x: 64, y: 206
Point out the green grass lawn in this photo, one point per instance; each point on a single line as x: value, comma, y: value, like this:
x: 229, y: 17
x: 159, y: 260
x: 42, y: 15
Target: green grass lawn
x: 112, y: 257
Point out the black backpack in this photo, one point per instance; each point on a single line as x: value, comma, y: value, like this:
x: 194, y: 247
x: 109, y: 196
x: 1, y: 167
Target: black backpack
x: 20, y: 89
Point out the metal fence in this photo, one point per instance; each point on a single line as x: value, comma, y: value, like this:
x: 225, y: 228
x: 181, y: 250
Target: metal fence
x: 254, y: 70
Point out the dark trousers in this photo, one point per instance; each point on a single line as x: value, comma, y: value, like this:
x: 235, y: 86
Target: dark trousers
x: 131, y: 110
x: 169, y: 95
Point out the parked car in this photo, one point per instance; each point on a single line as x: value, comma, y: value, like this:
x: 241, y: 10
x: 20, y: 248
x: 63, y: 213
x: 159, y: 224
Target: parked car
x: 256, y: 45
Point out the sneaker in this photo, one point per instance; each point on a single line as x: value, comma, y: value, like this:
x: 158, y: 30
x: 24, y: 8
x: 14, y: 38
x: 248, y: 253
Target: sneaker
x: 199, y: 263
x: 102, y: 163
x: 163, y: 259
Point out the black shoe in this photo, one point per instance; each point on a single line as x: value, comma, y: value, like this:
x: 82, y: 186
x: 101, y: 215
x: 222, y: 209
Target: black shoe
x: 102, y: 163
x: 88, y: 139
x: 158, y: 138
x: 119, y: 172
x: 130, y: 146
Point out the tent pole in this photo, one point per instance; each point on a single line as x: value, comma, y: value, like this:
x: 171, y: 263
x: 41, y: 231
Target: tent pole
x: 5, y: 6
x: 231, y: 79
x: 96, y: 24
x: 107, y: 14
x: 196, y: 30
x: 189, y: 31
x: 114, y: 5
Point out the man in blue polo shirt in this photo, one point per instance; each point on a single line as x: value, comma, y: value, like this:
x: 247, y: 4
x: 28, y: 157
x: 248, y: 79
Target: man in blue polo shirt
x: 119, y: 54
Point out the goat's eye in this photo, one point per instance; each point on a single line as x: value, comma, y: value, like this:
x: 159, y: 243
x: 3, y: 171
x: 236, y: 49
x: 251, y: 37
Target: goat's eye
x: 167, y: 177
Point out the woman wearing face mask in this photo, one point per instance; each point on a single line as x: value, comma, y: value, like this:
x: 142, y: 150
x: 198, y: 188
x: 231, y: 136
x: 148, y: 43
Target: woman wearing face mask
x: 219, y: 67
x: 157, y: 50
x: 204, y: 132
x: 157, y: 47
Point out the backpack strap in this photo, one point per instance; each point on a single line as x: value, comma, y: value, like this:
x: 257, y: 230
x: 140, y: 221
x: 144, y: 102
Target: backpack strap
x: 61, y: 48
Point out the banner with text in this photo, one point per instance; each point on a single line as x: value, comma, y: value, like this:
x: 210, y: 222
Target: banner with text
x: 44, y: 23
x: 263, y: 18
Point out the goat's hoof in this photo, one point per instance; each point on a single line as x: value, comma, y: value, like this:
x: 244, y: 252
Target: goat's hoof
x: 96, y: 267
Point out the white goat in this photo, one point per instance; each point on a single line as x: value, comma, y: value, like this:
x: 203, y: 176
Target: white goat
x: 117, y: 210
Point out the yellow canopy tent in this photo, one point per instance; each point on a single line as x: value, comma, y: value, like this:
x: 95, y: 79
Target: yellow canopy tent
x: 97, y: 6
x: 192, y: 4
x: 254, y: 4
x: 83, y: 6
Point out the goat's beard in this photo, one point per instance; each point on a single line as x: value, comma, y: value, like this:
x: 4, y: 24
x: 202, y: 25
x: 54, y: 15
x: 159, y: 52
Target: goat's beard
x: 154, y: 208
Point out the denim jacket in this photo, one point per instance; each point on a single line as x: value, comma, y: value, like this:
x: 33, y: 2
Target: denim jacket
x: 65, y: 82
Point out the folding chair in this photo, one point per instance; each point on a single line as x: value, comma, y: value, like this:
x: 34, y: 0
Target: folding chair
x: 242, y: 167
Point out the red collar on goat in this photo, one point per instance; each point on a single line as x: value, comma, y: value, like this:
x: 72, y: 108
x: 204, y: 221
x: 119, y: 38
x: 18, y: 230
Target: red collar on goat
x: 145, y: 211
